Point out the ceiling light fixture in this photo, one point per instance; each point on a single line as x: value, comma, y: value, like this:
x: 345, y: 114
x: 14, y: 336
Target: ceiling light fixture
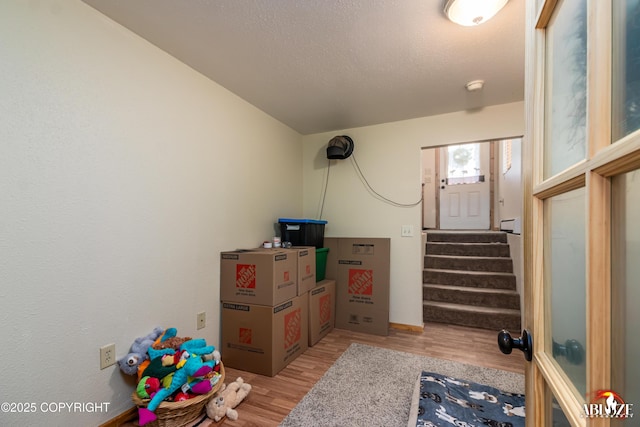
x: 472, y: 12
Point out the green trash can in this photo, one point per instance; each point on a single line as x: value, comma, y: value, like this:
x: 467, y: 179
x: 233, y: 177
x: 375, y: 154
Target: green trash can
x: 321, y: 263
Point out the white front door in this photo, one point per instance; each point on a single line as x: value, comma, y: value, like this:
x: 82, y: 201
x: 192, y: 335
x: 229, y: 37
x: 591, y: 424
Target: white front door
x: 465, y: 187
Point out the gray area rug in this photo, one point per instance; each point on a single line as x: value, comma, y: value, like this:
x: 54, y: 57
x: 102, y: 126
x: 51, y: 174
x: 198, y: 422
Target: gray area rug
x: 372, y: 386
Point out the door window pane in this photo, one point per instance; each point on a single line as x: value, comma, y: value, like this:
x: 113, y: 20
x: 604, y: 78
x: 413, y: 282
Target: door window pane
x: 566, y: 87
x: 626, y: 286
x: 463, y: 164
x: 557, y: 415
x: 565, y: 275
x: 626, y: 68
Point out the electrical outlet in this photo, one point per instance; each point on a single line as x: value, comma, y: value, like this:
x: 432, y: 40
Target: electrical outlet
x: 201, y: 320
x: 406, y: 231
x: 107, y: 356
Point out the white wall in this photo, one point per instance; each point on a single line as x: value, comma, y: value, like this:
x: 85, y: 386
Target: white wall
x: 123, y: 174
x: 429, y: 178
x: 509, y: 183
x: 509, y: 190
x: 390, y: 158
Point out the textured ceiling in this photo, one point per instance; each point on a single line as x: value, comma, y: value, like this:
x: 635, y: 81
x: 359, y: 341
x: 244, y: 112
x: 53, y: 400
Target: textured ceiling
x: 324, y: 65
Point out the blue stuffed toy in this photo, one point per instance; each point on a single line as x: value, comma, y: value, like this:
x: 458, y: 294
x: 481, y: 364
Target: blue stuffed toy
x: 191, y: 366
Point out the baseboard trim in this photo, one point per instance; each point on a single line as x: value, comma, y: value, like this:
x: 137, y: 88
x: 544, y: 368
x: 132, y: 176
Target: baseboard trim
x: 125, y: 417
x: 410, y: 328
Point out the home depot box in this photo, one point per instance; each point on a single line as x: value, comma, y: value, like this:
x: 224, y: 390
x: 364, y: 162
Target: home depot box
x: 306, y: 268
x: 362, y: 284
x: 306, y: 257
x: 263, y: 339
x: 322, y: 310
x: 258, y: 277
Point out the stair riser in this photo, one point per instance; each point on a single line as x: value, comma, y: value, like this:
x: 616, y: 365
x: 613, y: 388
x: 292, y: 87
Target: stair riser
x: 467, y: 237
x: 502, y: 265
x: 459, y: 249
x: 464, y: 279
x: 511, y: 301
x: 463, y: 273
x: 475, y: 320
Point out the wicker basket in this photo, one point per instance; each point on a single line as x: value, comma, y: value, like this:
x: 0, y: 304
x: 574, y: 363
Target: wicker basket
x: 177, y: 414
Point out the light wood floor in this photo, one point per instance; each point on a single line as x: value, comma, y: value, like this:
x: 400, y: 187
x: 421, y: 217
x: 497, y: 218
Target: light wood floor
x: 271, y: 399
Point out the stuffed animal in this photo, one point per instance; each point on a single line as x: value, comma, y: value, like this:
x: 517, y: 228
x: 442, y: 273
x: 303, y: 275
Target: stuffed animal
x: 173, y: 342
x: 161, y: 366
x: 191, y: 370
x: 227, y: 399
x: 147, y: 387
x: 167, y: 334
x: 138, y: 353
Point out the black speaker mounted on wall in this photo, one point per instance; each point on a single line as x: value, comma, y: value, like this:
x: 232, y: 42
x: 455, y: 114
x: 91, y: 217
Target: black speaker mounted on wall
x: 340, y: 147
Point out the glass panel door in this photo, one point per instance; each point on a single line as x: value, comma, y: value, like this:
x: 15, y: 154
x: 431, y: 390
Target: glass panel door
x: 625, y: 274
x: 581, y: 160
x: 626, y: 67
x: 566, y: 87
x: 565, y: 256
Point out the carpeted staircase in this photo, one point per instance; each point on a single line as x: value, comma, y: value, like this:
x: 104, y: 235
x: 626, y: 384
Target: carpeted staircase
x: 468, y: 280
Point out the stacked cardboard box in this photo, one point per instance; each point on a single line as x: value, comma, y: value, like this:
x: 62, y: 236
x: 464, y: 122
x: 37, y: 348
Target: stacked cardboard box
x: 361, y: 268
x: 306, y: 256
x: 258, y: 277
x: 272, y: 307
x: 265, y: 323
x: 320, y: 296
x: 322, y: 310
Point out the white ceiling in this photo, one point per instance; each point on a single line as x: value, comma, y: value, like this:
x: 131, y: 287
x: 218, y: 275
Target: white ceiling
x: 324, y: 65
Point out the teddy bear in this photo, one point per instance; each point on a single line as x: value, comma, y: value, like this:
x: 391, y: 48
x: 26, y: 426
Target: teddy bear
x: 227, y: 399
x: 138, y: 353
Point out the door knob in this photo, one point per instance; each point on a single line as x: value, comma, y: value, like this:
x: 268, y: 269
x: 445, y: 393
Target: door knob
x: 442, y: 187
x: 507, y: 343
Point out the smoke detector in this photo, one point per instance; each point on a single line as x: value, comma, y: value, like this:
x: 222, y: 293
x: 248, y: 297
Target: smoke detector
x: 474, y: 85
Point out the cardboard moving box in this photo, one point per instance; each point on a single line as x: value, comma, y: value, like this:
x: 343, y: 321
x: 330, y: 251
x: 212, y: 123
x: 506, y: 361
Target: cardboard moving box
x: 362, y: 273
x: 306, y: 256
x: 322, y: 310
x: 258, y: 277
x: 262, y: 339
x: 306, y: 268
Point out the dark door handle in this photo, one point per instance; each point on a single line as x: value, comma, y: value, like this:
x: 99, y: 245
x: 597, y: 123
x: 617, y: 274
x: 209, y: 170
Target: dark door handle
x: 507, y: 343
x: 442, y: 187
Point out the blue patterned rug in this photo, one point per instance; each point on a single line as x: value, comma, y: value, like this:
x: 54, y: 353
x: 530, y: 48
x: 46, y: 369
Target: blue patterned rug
x: 446, y: 401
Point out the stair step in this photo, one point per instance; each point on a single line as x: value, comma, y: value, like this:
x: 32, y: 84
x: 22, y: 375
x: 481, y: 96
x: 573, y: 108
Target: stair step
x: 477, y: 279
x: 472, y: 316
x: 498, y: 298
x: 469, y: 263
x: 468, y: 249
x: 467, y: 237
